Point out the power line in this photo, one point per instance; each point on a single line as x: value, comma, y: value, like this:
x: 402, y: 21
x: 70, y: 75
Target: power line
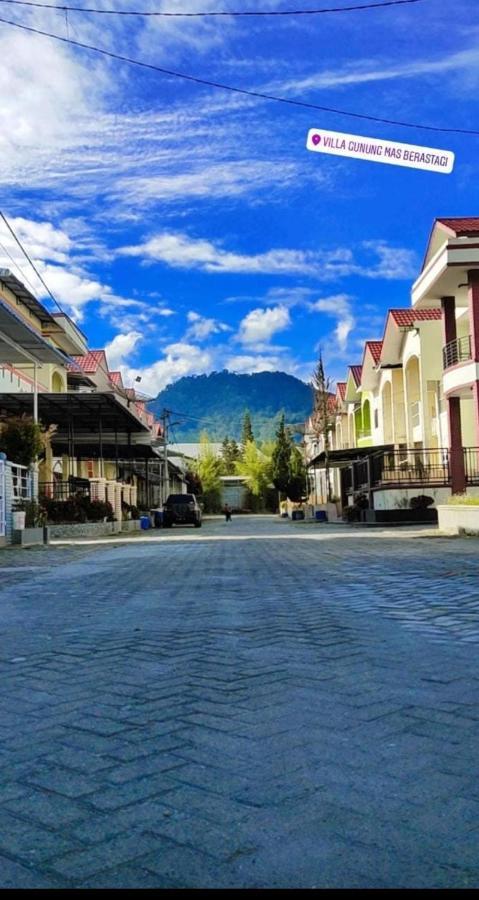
x: 236, y: 90
x: 193, y: 15
x: 17, y: 266
x: 22, y: 248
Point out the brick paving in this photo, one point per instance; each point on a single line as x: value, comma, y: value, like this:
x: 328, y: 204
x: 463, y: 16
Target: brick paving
x: 261, y: 704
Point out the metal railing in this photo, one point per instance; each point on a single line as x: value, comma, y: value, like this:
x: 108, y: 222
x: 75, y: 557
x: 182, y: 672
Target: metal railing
x: 64, y: 490
x: 411, y: 467
x: 471, y: 465
x: 457, y: 351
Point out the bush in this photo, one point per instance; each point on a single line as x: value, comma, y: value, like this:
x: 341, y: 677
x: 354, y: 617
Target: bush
x: 76, y: 509
x: 353, y: 513
x: 421, y: 502
x: 463, y: 500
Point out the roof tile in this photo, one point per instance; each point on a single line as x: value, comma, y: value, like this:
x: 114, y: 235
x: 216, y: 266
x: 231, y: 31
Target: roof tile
x: 406, y: 318
x: 461, y: 226
x: 375, y: 348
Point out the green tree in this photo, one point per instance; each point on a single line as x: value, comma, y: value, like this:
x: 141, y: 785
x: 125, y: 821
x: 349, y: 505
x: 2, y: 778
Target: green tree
x: 22, y: 439
x: 255, y: 466
x: 324, y: 415
x: 288, y: 469
x: 231, y: 454
x: 209, y: 468
x: 281, y: 458
x: 247, y: 430
x: 297, y: 480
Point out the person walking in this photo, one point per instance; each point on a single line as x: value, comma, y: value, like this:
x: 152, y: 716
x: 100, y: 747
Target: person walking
x: 227, y: 512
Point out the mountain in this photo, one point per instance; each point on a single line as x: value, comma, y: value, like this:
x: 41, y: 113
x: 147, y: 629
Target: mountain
x: 216, y: 404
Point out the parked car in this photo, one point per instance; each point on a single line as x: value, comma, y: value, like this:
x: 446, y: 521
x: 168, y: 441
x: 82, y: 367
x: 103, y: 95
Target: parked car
x: 181, y: 509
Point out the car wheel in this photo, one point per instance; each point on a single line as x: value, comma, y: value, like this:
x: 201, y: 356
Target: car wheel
x: 197, y: 524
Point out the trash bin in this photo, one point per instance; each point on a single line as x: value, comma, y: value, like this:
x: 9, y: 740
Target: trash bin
x: 145, y: 522
x: 157, y: 517
x: 297, y: 514
x: 321, y: 516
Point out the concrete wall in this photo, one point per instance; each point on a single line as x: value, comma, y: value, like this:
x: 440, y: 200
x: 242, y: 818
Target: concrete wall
x: 83, y: 529
x: 390, y: 499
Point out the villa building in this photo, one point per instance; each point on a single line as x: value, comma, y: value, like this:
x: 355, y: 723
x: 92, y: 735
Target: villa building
x: 105, y: 443
x: 412, y: 406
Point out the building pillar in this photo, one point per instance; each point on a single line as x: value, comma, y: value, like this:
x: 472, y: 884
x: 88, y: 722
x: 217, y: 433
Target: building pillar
x: 449, y: 328
x: 456, y: 450
x: 473, y: 294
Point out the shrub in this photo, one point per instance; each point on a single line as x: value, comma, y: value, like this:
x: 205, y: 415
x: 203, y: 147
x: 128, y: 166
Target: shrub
x: 421, y: 502
x: 76, y: 509
x: 463, y: 500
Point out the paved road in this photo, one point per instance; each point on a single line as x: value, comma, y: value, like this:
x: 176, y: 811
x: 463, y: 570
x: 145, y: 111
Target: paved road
x: 260, y: 704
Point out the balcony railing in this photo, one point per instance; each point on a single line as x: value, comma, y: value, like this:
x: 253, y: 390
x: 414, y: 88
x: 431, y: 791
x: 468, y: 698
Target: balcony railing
x: 471, y: 465
x: 424, y: 467
x: 457, y: 351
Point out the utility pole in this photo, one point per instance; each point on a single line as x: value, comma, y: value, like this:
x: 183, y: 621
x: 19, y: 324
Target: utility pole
x: 165, y: 418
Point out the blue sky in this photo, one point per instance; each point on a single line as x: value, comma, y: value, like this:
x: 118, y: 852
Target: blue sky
x: 188, y: 229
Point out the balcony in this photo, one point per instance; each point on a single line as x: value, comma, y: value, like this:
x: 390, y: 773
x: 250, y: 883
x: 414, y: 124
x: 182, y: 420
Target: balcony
x: 457, y: 351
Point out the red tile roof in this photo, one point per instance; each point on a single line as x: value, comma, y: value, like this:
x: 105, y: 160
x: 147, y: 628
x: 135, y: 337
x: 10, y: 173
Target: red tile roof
x: 356, y: 373
x: 341, y: 389
x: 89, y: 364
x: 375, y: 348
x: 116, y: 378
x: 461, y: 226
x: 405, y: 318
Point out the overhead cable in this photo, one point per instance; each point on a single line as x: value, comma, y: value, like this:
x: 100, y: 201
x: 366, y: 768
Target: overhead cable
x: 191, y: 15
x: 237, y: 90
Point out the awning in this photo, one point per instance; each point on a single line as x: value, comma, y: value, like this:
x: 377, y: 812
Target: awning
x: 20, y: 342
x: 338, y: 458
x: 82, y: 411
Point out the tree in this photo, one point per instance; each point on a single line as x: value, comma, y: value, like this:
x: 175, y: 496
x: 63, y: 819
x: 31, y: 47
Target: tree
x: 288, y: 470
x: 324, y: 414
x: 209, y: 468
x: 256, y: 467
x: 231, y: 454
x: 22, y: 439
x: 247, y: 430
x: 281, y: 458
x: 298, y: 480
x: 193, y: 483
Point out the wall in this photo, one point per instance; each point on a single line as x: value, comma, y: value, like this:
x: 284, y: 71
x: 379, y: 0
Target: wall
x: 389, y: 499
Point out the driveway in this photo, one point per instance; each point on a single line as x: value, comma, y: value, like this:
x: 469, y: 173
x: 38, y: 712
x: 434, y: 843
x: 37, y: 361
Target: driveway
x: 258, y: 704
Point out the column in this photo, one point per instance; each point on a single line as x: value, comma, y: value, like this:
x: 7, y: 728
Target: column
x: 449, y: 332
x: 456, y: 450
x: 473, y: 294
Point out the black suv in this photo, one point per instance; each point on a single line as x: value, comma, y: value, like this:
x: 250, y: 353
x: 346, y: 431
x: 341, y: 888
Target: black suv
x: 181, y: 509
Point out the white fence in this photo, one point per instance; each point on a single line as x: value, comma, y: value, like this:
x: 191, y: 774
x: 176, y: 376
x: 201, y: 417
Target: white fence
x: 16, y: 484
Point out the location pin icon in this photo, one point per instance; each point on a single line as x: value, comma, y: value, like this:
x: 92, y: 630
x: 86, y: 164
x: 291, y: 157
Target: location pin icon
x: 316, y: 139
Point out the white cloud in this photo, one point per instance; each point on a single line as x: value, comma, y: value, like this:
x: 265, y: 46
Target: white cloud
x: 179, y: 359
x: 244, y: 363
x: 366, y: 71
x: 121, y: 348
x: 180, y: 251
x: 201, y: 327
x: 226, y: 179
x: 259, y: 325
x: 339, y: 307
x: 60, y: 261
